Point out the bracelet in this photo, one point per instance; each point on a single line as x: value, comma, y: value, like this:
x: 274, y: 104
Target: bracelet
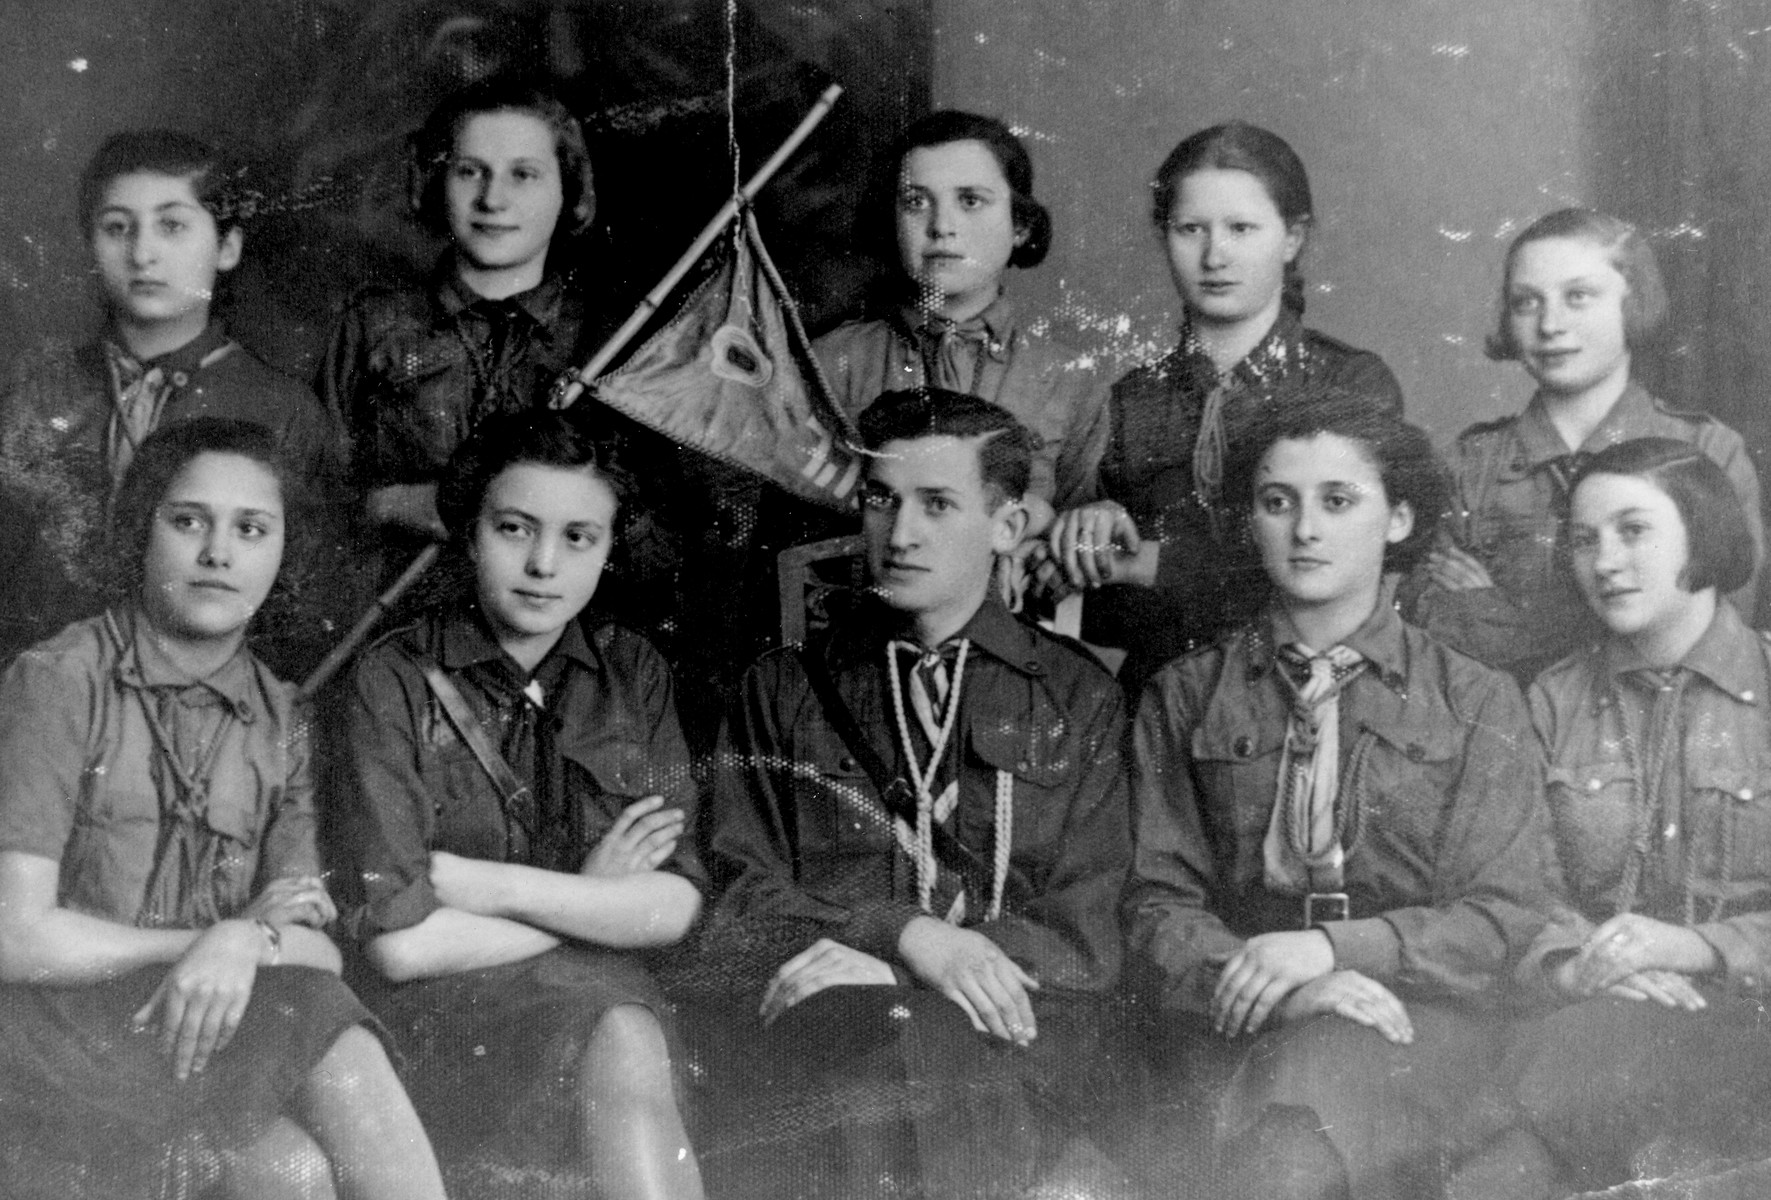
x: 274, y: 936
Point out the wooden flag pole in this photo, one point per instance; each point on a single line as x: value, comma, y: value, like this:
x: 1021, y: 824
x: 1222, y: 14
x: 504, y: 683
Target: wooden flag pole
x: 571, y: 387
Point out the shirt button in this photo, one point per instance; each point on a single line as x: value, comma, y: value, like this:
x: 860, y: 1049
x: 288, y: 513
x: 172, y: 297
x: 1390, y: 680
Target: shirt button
x: 1594, y: 785
x: 1672, y: 831
x: 1242, y: 747
x: 1744, y: 794
x: 846, y: 764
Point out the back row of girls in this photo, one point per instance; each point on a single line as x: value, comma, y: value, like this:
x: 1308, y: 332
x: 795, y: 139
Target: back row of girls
x: 503, y: 170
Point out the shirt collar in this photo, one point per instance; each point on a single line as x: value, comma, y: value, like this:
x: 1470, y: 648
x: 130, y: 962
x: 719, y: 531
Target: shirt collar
x: 1627, y: 418
x: 466, y: 639
x: 143, y: 663
x: 1727, y: 656
x: 207, y: 348
x: 996, y: 322
x: 1274, y: 356
x: 992, y: 630
x: 540, y: 303
x: 1380, y: 641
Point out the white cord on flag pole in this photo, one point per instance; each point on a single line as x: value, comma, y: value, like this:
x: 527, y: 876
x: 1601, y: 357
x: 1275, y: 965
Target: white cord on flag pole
x: 732, y: 99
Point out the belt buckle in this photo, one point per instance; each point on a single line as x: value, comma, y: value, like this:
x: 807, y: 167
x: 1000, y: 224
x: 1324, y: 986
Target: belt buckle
x: 1325, y: 906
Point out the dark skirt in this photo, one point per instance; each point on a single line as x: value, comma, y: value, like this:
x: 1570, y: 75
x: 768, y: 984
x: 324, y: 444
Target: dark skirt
x: 90, y: 1106
x: 881, y: 1091
x: 1619, y: 1088
x: 492, y: 1056
x: 1395, y: 1116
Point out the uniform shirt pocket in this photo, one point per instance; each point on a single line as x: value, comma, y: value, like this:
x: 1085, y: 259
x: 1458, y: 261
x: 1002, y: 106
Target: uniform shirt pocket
x: 836, y: 805
x: 110, y: 852
x: 1236, y: 764
x: 1593, y: 807
x: 235, y: 828
x: 1039, y: 768
x: 622, y: 768
x: 1397, y: 783
x: 1726, y: 813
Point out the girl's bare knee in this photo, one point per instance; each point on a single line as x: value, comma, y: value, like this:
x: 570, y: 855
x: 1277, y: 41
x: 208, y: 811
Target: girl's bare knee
x: 628, y: 1051
x: 284, y: 1163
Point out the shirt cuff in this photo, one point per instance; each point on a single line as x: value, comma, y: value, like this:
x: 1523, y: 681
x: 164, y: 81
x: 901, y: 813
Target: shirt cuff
x: 1743, y: 966
x: 402, y: 910
x: 874, y: 929
x: 1369, y: 946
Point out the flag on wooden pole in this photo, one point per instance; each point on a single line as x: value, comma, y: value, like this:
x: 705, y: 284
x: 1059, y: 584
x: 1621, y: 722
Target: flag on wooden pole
x: 732, y: 375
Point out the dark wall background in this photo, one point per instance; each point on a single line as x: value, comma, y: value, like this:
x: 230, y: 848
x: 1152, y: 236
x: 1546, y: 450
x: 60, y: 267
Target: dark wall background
x: 316, y: 98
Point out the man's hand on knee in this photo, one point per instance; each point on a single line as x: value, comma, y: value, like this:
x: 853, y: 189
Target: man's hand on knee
x: 821, y: 965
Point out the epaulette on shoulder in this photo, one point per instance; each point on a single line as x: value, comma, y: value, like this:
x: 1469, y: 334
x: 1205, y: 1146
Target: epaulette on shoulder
x: 610, y: 633
x: 1572, y: 660
x: 387, y: 635
x: 1695, y: 416
x: 1316, y: 338
x: 1482, y: 429
x: 1074, y: 647
x: 381, y: 296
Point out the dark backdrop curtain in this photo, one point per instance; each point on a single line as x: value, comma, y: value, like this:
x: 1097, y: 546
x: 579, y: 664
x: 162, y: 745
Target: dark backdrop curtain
x: 1681, y: 117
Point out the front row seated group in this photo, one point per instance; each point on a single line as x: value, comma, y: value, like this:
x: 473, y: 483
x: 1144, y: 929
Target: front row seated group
x: 1335, y: 912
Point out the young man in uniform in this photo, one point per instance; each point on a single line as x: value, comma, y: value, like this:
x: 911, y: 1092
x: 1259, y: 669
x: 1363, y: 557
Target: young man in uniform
x: 921, y: 821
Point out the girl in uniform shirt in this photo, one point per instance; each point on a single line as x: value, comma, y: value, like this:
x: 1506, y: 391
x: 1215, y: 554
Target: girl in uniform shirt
x: 1339, y: 838
x: 1582, y: 292
x: 1658, y: 740
x: 516, y: 795
x: 174, y: 1016
x: 501, y: 170
x: 960, y: 210
x: 1233, y: 211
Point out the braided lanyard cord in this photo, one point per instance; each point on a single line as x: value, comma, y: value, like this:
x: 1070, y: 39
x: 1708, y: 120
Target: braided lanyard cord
x: 188, y: 809
x: 920, y: 846
x: 1645, y: 773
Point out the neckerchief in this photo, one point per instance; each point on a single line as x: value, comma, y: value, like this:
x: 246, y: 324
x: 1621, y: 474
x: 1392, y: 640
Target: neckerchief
x: 1304, y: 850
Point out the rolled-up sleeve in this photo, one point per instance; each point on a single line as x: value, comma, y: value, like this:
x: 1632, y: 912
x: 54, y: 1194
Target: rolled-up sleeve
x: 46, y: 710
x: 386, y: 816
x: 290, y: 840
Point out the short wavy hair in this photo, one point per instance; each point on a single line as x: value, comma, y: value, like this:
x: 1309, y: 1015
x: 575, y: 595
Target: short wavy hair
x: 879, y: 214
x: 433, y: 147
x: 1408, y: 466
x: 159, y: 461
x: 214, y: 180
x: 1720, y: 538
x: 1005, y: 458
x: 570, y: 439
x: 1644, y: 298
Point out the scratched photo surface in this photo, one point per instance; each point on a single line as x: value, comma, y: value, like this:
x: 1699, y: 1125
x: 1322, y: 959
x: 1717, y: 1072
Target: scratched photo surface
x: 1433, y: 132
